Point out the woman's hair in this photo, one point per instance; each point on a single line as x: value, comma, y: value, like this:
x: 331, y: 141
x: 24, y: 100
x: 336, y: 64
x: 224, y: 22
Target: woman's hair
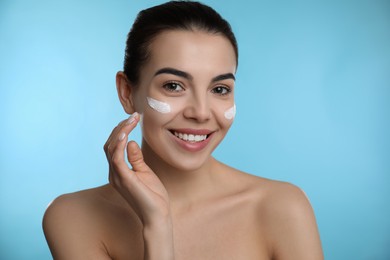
x: 174, y: 15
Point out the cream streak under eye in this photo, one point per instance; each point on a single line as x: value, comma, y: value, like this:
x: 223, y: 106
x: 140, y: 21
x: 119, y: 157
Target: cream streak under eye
x: 159, y: 106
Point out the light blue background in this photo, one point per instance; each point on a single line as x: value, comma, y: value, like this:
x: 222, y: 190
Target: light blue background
x: 312, y: 97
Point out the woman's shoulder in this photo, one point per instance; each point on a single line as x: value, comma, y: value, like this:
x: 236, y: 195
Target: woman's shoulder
x: 275, y: 191
x: 85, y: 206
x: 285, y: 217
x: 75, y: 211
x: 274, y: 199
x: 68, y: 223
x: 75, y: 203
x: 264, y: 188
x: 79, y: 223
x: 267, y: 190
x: 279, y: 197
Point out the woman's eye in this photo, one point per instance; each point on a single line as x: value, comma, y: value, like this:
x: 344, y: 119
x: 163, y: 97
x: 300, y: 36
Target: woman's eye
x: 173, y: 87
x: 221, y: 90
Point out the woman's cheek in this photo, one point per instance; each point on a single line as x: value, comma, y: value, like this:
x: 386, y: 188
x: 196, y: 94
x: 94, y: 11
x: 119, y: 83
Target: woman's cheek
x: 225, y: 114
x: 156, y: 113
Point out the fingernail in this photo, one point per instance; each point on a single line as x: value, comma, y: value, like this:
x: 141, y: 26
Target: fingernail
x: 122, y: 136
x: 131, y: 118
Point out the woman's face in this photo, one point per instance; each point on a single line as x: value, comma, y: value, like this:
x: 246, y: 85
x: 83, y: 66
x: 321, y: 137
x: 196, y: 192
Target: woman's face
x: 186, y: 96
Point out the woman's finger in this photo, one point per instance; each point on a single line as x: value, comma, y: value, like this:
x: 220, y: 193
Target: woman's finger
x: 108, y: 143
x: 135, y: 157
x: 119, y: 133
x: 119, y: 143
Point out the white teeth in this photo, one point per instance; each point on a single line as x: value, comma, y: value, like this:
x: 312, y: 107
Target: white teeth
x: 190, y: 137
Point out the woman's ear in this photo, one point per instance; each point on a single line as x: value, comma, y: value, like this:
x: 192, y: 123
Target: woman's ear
x: 125, y: 92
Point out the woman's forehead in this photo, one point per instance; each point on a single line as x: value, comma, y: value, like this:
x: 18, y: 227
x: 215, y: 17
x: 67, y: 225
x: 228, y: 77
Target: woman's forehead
x: 191, y: 51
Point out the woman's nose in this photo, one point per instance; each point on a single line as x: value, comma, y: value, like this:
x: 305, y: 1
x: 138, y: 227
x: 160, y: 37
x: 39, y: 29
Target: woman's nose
x: 198, y: 108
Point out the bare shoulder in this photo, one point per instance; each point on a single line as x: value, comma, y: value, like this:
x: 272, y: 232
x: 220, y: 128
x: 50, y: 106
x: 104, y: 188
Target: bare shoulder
x: 72, y: 208
x: 271, y: 195
x: 69, y: 209
x: 285, y: 217
x: 284, y: 203
x: 70, y: 229
x: 282, y: 196
x: 265, y: 189
x: 290, y: 223
x: 80, y: 225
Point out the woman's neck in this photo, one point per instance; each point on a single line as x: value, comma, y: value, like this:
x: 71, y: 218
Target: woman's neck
x: 185, y: 187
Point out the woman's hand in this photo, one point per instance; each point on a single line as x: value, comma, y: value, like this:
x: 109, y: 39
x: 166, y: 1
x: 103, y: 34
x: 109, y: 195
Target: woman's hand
x: 140, y: 186
x: 142, y: 189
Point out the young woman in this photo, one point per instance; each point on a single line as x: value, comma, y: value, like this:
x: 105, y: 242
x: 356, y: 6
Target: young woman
x: 177, y: 201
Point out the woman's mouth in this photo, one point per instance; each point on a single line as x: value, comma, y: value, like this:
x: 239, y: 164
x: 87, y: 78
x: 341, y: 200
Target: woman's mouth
x: 192, y: 139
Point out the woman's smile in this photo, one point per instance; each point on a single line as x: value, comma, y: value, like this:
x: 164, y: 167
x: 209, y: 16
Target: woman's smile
x: 192, y: 140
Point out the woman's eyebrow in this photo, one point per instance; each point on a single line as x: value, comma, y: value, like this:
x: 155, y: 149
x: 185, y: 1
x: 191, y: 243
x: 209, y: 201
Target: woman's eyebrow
x: 223, y: 77
x: 175, y: 72
x: 185, y: 75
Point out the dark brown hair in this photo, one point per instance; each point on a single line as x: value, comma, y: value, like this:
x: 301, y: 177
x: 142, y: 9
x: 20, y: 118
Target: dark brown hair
x: 174, y: 15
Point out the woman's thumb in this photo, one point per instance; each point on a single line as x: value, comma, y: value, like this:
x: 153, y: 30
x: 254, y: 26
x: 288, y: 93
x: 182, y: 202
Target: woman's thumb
x: 135, y: 157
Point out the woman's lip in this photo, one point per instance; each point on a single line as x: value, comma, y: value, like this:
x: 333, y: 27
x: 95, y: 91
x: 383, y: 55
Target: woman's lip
x: 192, y: 146
x: 193, y: 131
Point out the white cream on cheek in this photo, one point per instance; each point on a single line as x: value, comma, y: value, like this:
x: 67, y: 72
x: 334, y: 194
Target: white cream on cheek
x: 159, y: 106
x: 230, y: 113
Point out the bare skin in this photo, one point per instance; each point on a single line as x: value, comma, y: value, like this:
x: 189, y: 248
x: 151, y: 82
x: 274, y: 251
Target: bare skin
x: 258, y: 220
x: 174, y: 203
